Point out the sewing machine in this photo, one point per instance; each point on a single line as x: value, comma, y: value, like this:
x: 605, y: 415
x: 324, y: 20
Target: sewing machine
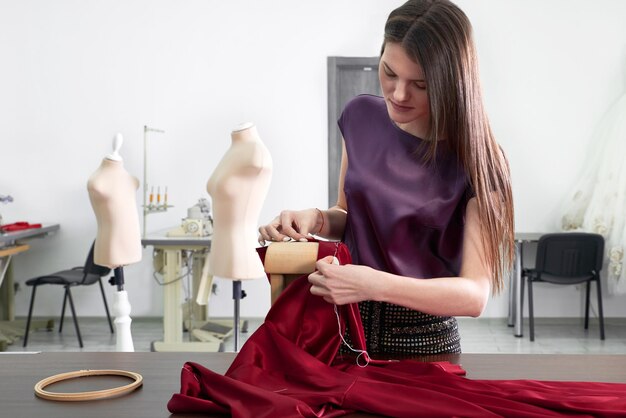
x: 198, y: 223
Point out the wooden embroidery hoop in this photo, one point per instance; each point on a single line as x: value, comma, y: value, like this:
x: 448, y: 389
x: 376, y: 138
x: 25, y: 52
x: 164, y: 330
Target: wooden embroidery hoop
x: 87, y: 396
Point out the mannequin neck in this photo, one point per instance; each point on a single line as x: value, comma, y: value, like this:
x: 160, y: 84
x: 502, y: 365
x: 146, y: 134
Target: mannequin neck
x: 111, y: 163
x: 248, y: 133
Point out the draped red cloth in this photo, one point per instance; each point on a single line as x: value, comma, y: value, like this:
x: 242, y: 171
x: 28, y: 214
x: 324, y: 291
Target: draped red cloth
x: 290, y: 367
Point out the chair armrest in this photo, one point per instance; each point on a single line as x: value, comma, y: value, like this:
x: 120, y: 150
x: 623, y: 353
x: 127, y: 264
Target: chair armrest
x: 533, y: 274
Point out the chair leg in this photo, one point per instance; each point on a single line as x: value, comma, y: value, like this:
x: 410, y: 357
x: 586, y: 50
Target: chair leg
x: 531, y: 318
x: 106, y: 305
x: 30, y: 314
x: 69, y: 295
x: 587, y: 295
x: 600, y: 310
x: 63, y: 311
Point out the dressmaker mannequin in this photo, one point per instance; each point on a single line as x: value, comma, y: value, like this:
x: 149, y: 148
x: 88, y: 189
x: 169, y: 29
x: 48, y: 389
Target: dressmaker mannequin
x: 112, y: 192
x: 238, y: 187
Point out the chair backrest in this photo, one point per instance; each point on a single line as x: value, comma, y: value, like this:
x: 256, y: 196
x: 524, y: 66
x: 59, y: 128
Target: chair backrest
x: 570, y: 254
x: 92, y: 272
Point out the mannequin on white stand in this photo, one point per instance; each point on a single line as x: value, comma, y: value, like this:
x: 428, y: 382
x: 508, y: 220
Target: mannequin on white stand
x: 112, y: 192
x: 238, y: 187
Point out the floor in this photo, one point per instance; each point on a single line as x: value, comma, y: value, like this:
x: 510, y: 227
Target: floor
x: 478, y: 335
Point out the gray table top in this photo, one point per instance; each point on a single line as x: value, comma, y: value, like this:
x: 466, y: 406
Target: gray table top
x: 160, y: 239
x: 161, y: 372
x: 11, y: 237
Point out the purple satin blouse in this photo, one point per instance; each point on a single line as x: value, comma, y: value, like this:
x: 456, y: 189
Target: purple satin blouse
x: 405, y: 216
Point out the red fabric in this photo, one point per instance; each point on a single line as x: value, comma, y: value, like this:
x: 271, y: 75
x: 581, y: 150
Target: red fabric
x: 290, y: 368
x: 18, y: 226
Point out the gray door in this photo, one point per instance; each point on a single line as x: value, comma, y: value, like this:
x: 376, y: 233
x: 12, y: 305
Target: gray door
x: 347, y: 77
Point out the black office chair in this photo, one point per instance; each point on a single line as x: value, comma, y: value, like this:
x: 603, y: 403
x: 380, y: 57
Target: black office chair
x: 566, y: 259
x: 78, y: 276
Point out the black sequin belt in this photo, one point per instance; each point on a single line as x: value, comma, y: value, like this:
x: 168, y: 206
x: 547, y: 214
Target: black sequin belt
x: 394, y: 329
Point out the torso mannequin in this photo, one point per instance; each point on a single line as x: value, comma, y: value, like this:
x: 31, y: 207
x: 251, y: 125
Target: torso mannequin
x: 238, y: 188
x: 112, y: 192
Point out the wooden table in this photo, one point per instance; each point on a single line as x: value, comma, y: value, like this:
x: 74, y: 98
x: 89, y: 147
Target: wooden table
x: 161, y: 372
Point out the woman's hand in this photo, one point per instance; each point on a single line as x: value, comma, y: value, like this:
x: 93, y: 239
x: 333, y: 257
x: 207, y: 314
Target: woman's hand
x: 292, y: 224
x: 343, y: 284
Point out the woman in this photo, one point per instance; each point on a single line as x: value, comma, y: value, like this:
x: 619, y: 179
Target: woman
x: 425, y: 203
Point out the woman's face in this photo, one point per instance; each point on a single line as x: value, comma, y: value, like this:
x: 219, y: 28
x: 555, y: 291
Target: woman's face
x: 404, y: 89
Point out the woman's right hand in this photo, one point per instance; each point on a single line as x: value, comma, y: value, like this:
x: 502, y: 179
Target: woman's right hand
x: 292, y: 224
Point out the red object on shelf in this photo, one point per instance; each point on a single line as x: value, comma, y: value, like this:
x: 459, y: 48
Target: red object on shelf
x: 18, y: 226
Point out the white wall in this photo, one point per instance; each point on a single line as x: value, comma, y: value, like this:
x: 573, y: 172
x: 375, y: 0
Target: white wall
x: 75, y: 72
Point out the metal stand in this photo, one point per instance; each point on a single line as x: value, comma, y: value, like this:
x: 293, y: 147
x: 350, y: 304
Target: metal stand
x: 519, y: 302
x: 511, y: 317
x: 149, y: 207
x: 121, y: 310
x: 238, y: 294
x: 516, y: 288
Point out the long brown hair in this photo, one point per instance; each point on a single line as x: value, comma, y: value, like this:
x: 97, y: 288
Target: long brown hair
x: 438, y: 35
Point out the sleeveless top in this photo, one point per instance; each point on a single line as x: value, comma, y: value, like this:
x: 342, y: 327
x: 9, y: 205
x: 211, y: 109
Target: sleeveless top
x: 405, y: 217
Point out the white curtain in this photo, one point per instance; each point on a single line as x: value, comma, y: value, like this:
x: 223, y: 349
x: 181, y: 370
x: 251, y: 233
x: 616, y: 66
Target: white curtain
x: 598, y: 202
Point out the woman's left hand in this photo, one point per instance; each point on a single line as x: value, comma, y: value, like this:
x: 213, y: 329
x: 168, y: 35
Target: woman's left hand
x: 343, y: 284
